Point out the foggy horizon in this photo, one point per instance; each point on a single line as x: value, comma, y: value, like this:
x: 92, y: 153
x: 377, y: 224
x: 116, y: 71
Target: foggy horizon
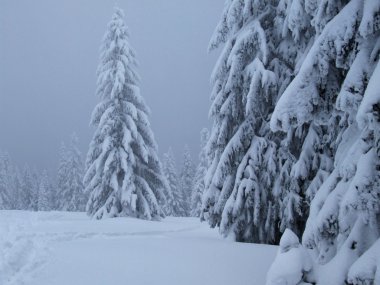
x: 48, y: 59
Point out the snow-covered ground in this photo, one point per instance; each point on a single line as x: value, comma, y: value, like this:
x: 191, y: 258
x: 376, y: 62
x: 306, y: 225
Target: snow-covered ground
x: 58, y: 248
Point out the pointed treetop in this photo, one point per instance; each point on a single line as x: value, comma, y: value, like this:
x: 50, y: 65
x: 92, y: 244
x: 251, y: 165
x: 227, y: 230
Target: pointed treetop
x: 74, y: 138
x: 170, y: 152
x: 119, y: 13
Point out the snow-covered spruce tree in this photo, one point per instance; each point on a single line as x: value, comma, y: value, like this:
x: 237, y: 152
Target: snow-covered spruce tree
x: 174, y: 198
x: 7, y: 183
x: 336, y: 92
x: 62, y: 174
x: 187, y: 180
x: 124, y: 176
x: 70, y: 178
x: 250, y: 192
x: 4, y: 195
x: 26, y: 188
x: 17, y: 189
x: 35, y: 178
x: 200, y: 174
x: 44, y: 193
x: 24, y: 192
x: 53, y: 195
x: 78, y: 197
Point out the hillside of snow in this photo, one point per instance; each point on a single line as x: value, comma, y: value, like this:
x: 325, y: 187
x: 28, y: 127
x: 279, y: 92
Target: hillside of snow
x: 60, y: 248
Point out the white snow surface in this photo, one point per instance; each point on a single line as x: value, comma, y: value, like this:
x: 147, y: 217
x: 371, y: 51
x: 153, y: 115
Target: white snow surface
x: 60, y: 248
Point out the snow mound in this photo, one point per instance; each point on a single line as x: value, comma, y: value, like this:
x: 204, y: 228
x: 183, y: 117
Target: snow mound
x: 291, y: 263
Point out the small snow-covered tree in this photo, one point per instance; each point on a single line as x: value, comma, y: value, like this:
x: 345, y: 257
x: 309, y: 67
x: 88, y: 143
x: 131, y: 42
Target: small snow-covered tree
x: 26, y: 188
x: 187, y: 180
x: 123, y: 173
x: 78, y: 197
x: 175, y: 200
x: 35, y: 181
x: 4, y: 196
x: 44, y: 193
x: 291, y: 258
x: 70, y: 178
x: 17, y: 189
x: 8, y: 195
x: 53, y: 195
x: 62, y: 174
x: 200, y: 174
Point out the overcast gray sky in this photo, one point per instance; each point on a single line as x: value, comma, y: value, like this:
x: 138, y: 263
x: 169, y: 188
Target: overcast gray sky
x: 49, y: 52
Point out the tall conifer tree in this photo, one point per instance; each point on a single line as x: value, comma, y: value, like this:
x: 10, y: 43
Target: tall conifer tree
x: 200, y: 173
x: 175, y: 199
x: 123, y: 173
x: 187, y: 180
